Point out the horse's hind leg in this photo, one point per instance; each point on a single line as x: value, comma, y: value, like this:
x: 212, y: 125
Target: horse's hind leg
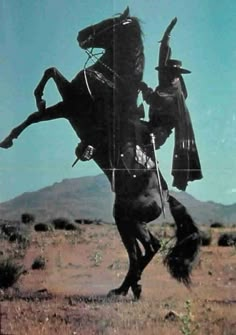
x: 51, y: 113
x: 134, y: 253
x: 150, y: 243
x: 61, y: 82
x: 130, y: 234
x: 151, y: 246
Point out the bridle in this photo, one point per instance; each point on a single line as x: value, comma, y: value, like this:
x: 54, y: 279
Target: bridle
x: 94, y: 56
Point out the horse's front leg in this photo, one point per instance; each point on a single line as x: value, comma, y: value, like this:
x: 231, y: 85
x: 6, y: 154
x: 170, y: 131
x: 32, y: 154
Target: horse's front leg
x: 61, y: 82
x: 51, y: 113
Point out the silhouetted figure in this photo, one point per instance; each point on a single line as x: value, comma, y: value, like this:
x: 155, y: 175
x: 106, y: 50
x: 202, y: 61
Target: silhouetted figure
x: 168, y: 111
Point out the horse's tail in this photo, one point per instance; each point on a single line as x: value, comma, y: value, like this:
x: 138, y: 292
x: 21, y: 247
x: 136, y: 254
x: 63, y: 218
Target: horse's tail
x: 181, y: 257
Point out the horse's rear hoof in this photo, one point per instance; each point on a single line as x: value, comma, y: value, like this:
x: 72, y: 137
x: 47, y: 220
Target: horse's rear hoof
x: 137, y: 290
x: 117, y: 292
x: 7, y: 143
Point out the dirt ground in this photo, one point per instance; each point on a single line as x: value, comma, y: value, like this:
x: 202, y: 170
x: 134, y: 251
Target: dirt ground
x: 69, y: 295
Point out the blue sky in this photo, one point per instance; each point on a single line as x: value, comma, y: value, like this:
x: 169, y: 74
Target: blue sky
x: 36, y: 35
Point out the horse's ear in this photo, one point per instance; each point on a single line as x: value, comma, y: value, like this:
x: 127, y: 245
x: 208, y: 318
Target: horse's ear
x: 125, y: 14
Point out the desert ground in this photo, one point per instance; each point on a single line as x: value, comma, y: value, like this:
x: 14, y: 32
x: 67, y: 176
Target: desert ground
x: 68, y: 294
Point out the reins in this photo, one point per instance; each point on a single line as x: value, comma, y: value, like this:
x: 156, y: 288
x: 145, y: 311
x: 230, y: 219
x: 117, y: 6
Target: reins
x: 86, y: 78
x: 90, y: 56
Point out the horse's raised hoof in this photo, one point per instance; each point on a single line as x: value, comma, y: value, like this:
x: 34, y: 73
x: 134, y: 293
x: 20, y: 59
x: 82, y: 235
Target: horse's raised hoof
x: 117, y: 292
x: 7, y: 143
x: 137, y: 290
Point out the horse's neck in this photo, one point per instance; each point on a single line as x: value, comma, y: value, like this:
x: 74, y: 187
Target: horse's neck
x: 104, y: 65
x: 123, y: 61
x: 129, y: 61
x: 130, y: 57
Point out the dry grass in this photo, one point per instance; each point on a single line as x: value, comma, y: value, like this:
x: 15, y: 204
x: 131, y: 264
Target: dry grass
x: 102, y: 317
x: 83, y: 267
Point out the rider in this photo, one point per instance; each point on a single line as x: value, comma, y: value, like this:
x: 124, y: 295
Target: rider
x: 168, y: 111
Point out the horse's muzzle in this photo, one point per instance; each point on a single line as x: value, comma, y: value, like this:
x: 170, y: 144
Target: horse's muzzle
x: 83, y: 44
x: 85, y: 38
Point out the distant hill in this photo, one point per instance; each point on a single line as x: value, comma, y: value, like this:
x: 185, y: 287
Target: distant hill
x: 91, y: 198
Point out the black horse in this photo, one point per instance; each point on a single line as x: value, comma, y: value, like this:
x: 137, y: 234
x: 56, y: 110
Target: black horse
x: 101, y: 105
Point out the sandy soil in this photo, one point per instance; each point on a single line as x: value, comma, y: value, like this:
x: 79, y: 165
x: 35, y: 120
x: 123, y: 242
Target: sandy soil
x: 69, y: 295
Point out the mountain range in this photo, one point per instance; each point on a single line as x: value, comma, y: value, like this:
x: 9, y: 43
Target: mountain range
x: 91, y: 198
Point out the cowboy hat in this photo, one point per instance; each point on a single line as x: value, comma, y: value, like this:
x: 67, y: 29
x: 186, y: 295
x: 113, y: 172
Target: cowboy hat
x: 173, y: 64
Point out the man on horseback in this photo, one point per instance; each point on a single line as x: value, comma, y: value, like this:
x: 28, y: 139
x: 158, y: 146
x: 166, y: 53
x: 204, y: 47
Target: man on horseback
x: 168, y: 111
x: 100, y: 104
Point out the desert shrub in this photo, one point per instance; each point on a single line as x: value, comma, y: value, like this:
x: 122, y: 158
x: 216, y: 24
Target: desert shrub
x: 80, y: 221
x: 60, y: 223
x: 206, y: 236
x: 85, y: 221
x: 9, y: 273
x: 217, y: 225
x: 42, y: 227
x: 20, y: 238
x: 88, y: 221
x: 71, y: 226
x: 38, y: 263
x: 98, y: 221
x: 227, y: 239
x: 16, y: 233
x: 27, y: 218
x: 9, y: 229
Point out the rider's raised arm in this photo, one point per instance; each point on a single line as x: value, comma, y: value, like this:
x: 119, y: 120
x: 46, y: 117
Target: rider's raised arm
x: 165, y: 50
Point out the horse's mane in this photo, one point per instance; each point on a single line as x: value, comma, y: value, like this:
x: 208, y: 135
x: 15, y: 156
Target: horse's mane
x: 132, y: 45
x: 139, y: 64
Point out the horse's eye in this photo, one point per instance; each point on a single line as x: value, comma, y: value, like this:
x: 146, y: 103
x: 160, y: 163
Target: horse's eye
x: 128, y: 21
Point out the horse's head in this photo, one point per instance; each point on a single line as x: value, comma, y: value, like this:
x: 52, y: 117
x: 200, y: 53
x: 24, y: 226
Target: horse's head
x: 102, y: 35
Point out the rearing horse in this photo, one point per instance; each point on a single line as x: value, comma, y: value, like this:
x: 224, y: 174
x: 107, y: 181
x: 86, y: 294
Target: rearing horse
x: 101, y: 106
